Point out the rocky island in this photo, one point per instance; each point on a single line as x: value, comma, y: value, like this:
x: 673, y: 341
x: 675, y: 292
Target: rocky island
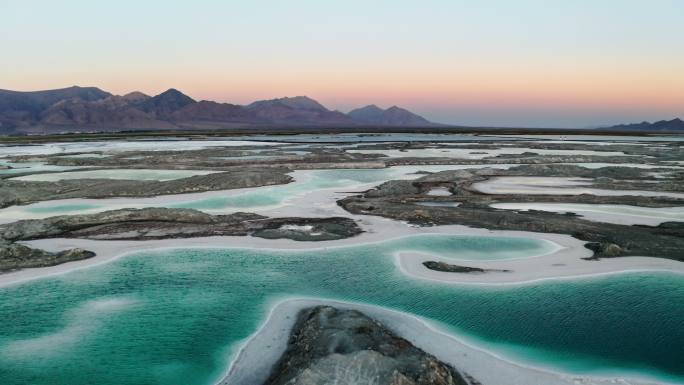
x: 329, y: 345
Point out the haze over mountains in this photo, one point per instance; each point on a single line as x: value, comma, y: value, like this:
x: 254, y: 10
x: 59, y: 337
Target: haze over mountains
x: 88, y: 109
x: 662, y: 125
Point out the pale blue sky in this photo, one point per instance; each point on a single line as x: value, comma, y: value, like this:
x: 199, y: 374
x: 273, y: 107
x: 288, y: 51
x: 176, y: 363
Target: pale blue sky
x: 539, y: 63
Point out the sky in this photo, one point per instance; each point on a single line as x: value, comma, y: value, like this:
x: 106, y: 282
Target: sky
x: 533, y: 63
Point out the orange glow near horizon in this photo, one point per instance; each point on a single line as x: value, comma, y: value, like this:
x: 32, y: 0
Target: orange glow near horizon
x: 567, y: 64
x: 511, y: 88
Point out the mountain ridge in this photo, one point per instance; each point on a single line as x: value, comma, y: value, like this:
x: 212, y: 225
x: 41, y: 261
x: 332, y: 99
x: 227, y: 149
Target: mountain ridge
x: 392, y: 116
x: 75, y: 109
x: 675, y: 124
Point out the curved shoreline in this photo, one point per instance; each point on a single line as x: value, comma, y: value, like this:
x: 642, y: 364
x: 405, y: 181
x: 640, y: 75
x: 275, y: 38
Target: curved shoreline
x: 565, y: 262
x: 252, y: 362
x: 602, y: 212
x: 532, y: 375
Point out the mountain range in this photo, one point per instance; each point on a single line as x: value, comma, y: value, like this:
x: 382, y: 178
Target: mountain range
x: 88, y: 109
x: 662, y: 125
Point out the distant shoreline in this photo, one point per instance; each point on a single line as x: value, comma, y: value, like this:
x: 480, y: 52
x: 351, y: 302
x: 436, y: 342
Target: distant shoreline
x: 321, y: 130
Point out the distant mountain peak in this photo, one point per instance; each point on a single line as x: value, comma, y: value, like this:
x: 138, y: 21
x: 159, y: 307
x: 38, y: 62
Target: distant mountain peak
x: 167, y: 102
x: 294, y: 102
x: 173, y: 93
x: 675, y: 124
x: 371, y: 108
x: 135, y: 96
x: 79, y: 108
x: 393, y: 116
x: 297, y: 110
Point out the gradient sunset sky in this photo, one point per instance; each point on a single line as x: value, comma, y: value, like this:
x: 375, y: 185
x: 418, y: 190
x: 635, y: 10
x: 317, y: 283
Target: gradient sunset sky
x: 550, y: 63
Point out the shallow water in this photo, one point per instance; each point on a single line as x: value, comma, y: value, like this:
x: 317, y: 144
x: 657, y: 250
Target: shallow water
x: 170, y: 144
x: 175, y: 317
x: 635, y: 165
x: 128, y: 174
x: 470, y: 153
x: 85, y: 155
x: 620, y: 214
x: 232, y: 200
x: 25, y: 167
x: 601, y: 138
x: 438, y: 204
x: 349, y: 179
x: 556, y: 186
x: 351, y: 138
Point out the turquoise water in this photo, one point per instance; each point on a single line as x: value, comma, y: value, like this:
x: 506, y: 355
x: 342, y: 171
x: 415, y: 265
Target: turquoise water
x: 62, y: 208
x: 23, y: 167
x: 85, y: 155
x: 175, y: 317
x: 345, y: 179
x: 130, y: 174
x: 390, y: 137
x: 272, y: 196
x: 262, y: 156
x: 321, y: 179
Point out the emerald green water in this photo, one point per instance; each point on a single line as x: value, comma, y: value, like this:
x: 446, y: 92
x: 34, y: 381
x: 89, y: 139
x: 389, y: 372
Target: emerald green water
x: 254, y: 199
x: 272, y: 196
x: 62, y: 208
x: 175, y: 317
x: 22, y: 167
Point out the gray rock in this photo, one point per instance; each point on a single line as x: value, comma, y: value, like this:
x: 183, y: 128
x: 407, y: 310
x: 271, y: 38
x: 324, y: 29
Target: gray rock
x: 155, y: 223
x: 17, y: 192
x: 331, y: 346
x: 14, y: 256
x: 397, y: 200
x: 450, y: 268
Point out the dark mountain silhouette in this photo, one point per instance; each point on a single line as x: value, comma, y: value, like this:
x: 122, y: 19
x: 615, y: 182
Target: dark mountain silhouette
x: 297, y: 110
x: 91, y: 109
x: 370, y: 114
x: 24, y: 108
x: 393, y: 116
x: 662, y: 125
x: 166, y: 103
x: 295, y: 103
x: 214, y: 112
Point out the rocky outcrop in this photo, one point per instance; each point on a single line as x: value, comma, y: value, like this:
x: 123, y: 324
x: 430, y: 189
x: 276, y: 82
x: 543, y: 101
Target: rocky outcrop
x: 573, y: 171
x: 308, y: 229
x: 17, y: 192
x: 155, y: 223
x: 14, y: 256
x: 333, y: 346
x: 399, y: 200
x: 632, y: 240
x: 449, y: 268
x: 162, y: 223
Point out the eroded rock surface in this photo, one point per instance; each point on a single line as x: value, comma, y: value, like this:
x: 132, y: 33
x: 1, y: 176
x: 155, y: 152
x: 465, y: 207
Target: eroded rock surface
x: 450, y: 268
x: 14, y: 256
x: 400, y: 200
x: 17, y: 192
x: 333, y: 346
x: 155, y: 223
